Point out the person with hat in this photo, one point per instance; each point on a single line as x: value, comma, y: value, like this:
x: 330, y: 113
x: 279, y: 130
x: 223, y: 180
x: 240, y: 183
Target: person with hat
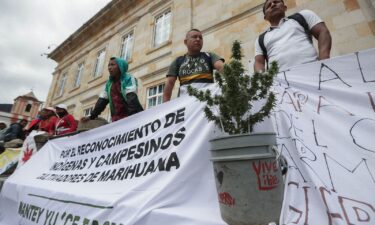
x: 66, y: 123
x: 49, y: 120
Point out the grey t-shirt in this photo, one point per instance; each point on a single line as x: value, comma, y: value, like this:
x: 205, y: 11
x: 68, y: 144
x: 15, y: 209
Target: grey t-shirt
x: 195, y: 69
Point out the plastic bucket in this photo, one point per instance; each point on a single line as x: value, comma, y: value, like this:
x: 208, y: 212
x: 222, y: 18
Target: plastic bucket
x: 248, y: 178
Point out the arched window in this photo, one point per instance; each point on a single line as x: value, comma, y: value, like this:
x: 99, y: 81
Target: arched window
x: 28, y: 108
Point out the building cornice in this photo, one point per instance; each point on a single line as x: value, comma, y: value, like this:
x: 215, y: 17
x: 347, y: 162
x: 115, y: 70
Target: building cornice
x: 104, y: 17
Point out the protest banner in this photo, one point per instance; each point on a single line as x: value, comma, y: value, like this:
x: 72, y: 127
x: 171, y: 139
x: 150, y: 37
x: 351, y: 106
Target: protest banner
x: 29, y: 147
x: 153, y: 168
x: 325, y: 123
x: 18, y: 156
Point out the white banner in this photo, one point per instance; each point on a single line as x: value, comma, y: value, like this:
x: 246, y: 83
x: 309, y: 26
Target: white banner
x: 151, y: 168
x: 154, y: 169
x: 28, y: 148
x: 325, y: 123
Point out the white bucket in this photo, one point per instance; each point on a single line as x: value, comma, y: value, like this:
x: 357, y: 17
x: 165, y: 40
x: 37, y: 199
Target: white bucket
x: 248, y: 178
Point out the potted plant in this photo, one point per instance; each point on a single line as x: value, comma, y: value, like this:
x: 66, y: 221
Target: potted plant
x: 248, y: 178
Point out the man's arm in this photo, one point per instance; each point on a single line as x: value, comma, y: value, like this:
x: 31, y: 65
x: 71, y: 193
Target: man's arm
x: 259, y: 64
x: 171, y: 80
x: 72, y: 124
x: 133, y: 104
x: 219, y: 65
x: 100, y: 105
x: 322, y: 34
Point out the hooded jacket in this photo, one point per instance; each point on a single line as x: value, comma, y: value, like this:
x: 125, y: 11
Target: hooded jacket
x: 128, y: 91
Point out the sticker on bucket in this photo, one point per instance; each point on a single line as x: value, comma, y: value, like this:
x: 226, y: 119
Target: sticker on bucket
x: 266, y: 171
x: 226, y: 199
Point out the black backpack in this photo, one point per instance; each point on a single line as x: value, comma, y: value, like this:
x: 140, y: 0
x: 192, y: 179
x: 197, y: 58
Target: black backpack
x: 206, y: 56
x: 297, y: 17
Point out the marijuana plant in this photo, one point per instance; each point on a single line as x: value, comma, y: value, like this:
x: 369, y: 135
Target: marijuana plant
x: 239, y: 92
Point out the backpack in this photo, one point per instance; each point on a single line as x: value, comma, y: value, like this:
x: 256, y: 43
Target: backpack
x: 297, y: 17
x: 206, y: 56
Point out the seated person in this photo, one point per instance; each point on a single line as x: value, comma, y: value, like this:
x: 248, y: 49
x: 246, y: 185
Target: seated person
x: 15, y: 131
x: 66, y: 123
x: 49, y: 120
x: 34, y: 124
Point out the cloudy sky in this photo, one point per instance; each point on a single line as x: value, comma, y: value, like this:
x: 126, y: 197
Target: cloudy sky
x: 27, y: 29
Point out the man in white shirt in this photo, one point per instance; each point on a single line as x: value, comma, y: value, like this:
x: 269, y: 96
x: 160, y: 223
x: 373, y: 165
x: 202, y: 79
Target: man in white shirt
x: 287, y: 42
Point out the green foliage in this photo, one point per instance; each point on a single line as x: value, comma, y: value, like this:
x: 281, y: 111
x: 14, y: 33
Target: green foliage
x: 238, y: 94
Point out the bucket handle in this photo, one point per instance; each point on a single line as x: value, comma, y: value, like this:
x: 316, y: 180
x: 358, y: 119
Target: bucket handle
x: 281, y: 161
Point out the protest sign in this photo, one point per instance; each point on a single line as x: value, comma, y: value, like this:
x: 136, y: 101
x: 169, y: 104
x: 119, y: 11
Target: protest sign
x: 153, y: 168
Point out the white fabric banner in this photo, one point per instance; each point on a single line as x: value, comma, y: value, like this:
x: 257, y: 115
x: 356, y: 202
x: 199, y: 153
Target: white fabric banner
x: 151, y: 168
x: 18, y: 156
x: 325, y: 122
x: 154, y: 169
x: 28, y: 148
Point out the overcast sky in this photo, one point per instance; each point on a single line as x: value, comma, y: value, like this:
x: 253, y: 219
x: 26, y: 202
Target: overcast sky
x: 27, y: 28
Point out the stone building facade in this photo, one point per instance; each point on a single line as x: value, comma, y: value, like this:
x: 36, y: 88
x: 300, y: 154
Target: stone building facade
x: 150, y: 34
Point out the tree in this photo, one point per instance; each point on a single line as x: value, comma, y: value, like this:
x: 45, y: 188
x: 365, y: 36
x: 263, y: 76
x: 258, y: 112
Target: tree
x: 239, y: 92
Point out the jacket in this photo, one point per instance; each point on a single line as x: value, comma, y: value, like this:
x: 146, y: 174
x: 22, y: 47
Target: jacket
x: 65, y: 125
x: 15, y: 131
x: 129, y: 88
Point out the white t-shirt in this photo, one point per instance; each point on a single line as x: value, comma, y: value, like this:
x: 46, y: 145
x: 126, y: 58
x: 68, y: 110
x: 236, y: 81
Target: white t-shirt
x: 288, y: 44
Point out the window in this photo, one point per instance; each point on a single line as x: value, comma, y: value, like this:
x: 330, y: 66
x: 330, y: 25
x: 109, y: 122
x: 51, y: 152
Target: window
x: 61, y: 86
x: 99, y: 63
x: 126, y: 46
x: 162, y: 28
x: 88, y: 111
x: 28, y: 108
x: 155, y: 95
x: 77, y: 80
